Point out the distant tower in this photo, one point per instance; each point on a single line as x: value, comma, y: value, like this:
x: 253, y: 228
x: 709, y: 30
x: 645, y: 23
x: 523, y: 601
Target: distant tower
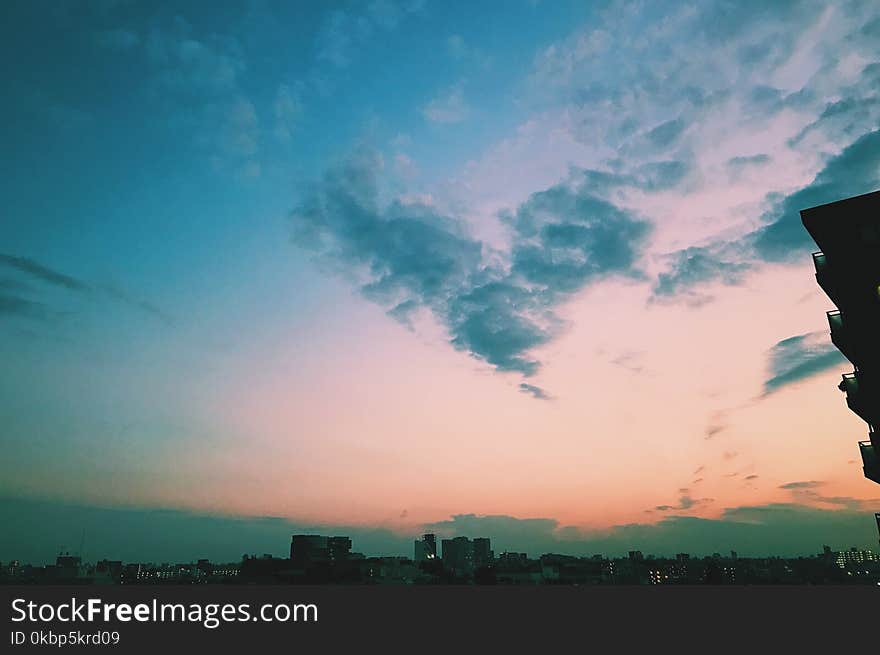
x: 848, y: 270
x: 425, y: 548
x: 483, y: 555
x: 430, y: 545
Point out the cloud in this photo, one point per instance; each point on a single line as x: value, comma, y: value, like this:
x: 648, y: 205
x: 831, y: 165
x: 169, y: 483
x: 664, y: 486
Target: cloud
x: 196, y: 82
x: 536, y: 392
x: 126, y: 298
x: 449, y: 107
x: 407, y: 256
x: 766, y: 75
x: 134, y: 534
x: 343, y: 32
x: 854, y: 171
x: 568, y: 237
x: 696, y: 265
x: 665, y: 134
x: 774, y: 529
x: 190, y: 66
x: 42, y: 273
x: 800, y: 357
x: 807, y: 493
x: 811, y: 484
x: 685, y: 503
x: 464, y: 54
x: 737, y: 164
x: 629, y: 361
x: 338, y: 35
x: 16, y: 305
x: 652, y: 176
x: 501, y: 321
x: 288, y: 109
x: 456, y: 47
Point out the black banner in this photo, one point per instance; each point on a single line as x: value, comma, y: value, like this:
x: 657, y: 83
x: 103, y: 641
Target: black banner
x: 400, y: 618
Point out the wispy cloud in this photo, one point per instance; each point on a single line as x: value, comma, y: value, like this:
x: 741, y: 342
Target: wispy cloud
x: 18, y: 305
x: 800, y: 357
x: 737, y: 164
x: 535, y: 392
x: 855, y: 170
x: 12, y: 305
x: 685, y: 503
x: 42, y: 273
x: 288, y: 110
x: 693, y: 266
x: 343, y: 32
x: 808, y: 493
x: 448, y: 107
x: 764, y: 93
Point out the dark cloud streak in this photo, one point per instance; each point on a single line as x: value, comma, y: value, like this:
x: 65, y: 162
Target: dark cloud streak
x: 19, y: 306
x: 42, y: 273
x: 797, y: 358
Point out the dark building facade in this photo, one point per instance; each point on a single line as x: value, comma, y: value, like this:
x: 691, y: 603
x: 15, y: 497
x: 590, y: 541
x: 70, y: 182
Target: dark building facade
x: 483, y: 555
x: 458, y: 555
x: 848, y: 270
x: 307, y: 550
x: 425, y: 549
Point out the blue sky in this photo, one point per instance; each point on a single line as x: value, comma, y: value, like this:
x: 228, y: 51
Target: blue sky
x: 295, y: 259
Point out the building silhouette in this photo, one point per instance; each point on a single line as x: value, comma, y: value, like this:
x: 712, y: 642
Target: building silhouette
x: 848, y: 270
x: 425, y: 549
x: 309, y: 550
x: 458, y: 556
x: 483, y: 555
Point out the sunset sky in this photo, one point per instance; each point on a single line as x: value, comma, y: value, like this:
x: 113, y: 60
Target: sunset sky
x: 531, y: 269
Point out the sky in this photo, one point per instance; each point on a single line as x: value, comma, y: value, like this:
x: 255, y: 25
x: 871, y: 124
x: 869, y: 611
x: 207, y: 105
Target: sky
x: 526, y: 270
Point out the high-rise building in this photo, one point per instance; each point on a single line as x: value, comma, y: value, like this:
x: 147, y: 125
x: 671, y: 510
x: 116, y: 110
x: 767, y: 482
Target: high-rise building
x: 854, y: 556
x: 425, y: 549
x: 458, y: 555
x: 307, y: 550
x: 483, y: 555
x: 848, y: 270
x: 338, y: 549
x: 430, y: 545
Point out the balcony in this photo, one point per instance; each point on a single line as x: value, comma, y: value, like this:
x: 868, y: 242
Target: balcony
x: 861, y: 396
x: 855, y: 335
x: 825, y: 277
x: 870, y: 461
x: 840, y: 336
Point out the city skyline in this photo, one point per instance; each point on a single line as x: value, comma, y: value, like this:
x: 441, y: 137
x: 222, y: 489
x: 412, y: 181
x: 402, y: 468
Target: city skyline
x: 322, y: 559
x: 536, y: 273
